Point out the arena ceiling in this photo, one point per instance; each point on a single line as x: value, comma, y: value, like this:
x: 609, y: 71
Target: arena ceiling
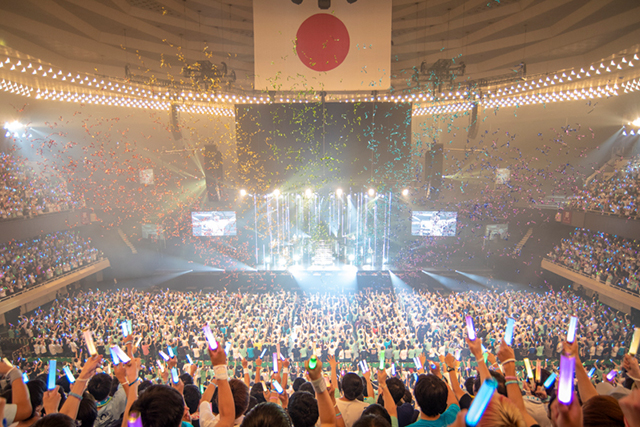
x: 97, y: 39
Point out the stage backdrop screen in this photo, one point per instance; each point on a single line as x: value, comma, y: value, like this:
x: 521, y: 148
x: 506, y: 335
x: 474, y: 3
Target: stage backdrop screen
x: 217, y: 223
x: 433, y: 223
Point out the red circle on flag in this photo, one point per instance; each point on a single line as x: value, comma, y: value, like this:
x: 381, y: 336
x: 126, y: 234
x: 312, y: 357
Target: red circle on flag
x: 322, y: 42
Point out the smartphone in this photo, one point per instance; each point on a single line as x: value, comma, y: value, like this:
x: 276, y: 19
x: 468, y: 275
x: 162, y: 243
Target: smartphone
x: 51, y: 380
x: 565, y: 383
x: 313, y: 362
x: 190, y: 360
x: 417, y: 363
x: 633, y: 349
x: 275, y: 363
x: 611, y: 375
x: 25, y: 377
x: 160, y: 365
x: 114, y: 356
x: 122, y: 355
x: 125, y: 329
x: 550, y: 380
x: 527, y: 365
x: 508, y: 333
x: 471, y: 332
x: 174, y: 375
x: 213, y: 344
x: 164, y: 355
x: 227, y: 347
x: 69, y: 375
x: 264, y: 351
x: 571, y: 333
x: 88, y: 339
x: 170, y: 351
x: 591, y: 372
x: 480, y: 402
x: 277, y: 386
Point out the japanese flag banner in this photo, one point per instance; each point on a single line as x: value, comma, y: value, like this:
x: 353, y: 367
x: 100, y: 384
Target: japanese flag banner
x: 300, y: 47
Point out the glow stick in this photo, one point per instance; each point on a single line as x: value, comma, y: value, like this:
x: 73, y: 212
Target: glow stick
x: 565, y: 383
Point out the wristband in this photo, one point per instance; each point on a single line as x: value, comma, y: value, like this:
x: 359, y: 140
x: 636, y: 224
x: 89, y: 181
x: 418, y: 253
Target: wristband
x: 508, y: 361
x: 133, y: 382
x: 511, y: 378
x: 14, y: 374
x: 76, y: 395
x: 449, y: 369
x: 285, y: 370
x: 221, y: 372
x: 339, y: 415
x: 247, y: 371
x: 513, y: 382
x: 319, y: 386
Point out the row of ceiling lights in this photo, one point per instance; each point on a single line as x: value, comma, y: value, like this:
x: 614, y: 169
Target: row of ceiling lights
x: 310, y: 193
x: 156, y: 98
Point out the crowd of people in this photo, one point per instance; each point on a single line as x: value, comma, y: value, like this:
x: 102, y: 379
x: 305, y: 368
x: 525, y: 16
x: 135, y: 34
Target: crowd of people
x: 25, y: 193
x: 615, y: 193
x: 420, y: 339
x: 609, y: 259
x: 34, y: 261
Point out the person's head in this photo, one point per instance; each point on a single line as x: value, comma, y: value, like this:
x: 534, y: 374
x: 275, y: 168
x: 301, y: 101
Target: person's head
x: 431, y: 394
x: 396, y: 388
x: 55, y: 420
x: 377, y: 410
x: 240, y: 393
x: 468, y: 385
x: 303, y: 409
x: 352, y: 386
x: 266, y: 414
x: 87, y: 411
x: 501, y: 413
x: 308, y: 387
x: 186, y: 379
x: 191, y: 397
x: 602, y: 411
x: 297, y: 383
x: 159, y: 406
x: 36, y: 393
x: 371, y: 421
x: 502, y: 386
x: 99, y: 386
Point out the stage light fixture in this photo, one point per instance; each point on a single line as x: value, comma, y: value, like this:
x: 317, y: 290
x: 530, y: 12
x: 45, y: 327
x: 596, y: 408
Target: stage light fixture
x: 276, y: 192
x: 339, y: 192
x: 243, y: 192
x: 636, y: 122
x: 372, y: 192
x: 308, y: 192
x: 14, y: 126
x: 405, y: 192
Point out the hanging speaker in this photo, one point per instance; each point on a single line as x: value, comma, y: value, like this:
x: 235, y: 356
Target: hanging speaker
x: 175, y: 126
x: 473, y: 125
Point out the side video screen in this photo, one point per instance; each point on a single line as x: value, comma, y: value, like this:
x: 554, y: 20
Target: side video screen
x: 433, y: 223
x: 218, y: 223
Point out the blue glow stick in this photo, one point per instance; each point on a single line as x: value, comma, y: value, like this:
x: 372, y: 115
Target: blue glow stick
x: 51, y: 380
x: 508, y: 334
x: 69, y: 375
x: 549, y: 382
x: 480, y: 402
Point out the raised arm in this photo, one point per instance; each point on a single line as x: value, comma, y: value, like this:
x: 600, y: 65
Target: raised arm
x: 72, y: 403
x: 452, y: 369
x: 585, y: 386
x: 226, y: 407
x: 476, y: 349
x: 389, y: 403
x: 19, y: 391
x: 507, y: 357
x: 325, y: 407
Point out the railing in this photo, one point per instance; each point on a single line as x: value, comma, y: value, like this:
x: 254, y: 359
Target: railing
x: 30, y: 288
x: 616, y: 287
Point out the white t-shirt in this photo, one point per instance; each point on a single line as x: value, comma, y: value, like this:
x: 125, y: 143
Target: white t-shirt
x: 351, y: 410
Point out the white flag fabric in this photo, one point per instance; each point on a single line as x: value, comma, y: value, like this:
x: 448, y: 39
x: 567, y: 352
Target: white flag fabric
x: 302, y: 47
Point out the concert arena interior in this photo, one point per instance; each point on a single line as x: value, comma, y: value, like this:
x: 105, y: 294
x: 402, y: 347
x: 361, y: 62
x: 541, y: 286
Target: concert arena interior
x: 308, y: 213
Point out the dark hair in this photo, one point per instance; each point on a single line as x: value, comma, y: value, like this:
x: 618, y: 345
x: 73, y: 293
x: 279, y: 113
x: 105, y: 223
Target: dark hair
x: 266, y: 414
x: 186, y: 379
x: 55, y: 420
x: 352, y: 386
x: 303, y: 409
x: 502, y: 386
x: 396, y: 388
x: 143, y: 386
x: 377, y: 410
x: 602, y: 411
x: 99, y: 386
x: 297, y: 383
x: 87, y: 411
x: 191, y: 397
x: 36, y: 393
x: 371, y: 421
x: 468, y: 384
x: 308, y: 387
x: 159, y: 406
x: 431, y: 394
x: 407, y: 396
x: 240, y: 393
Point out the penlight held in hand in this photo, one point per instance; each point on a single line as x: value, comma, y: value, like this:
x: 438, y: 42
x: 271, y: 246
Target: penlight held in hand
x: 591, y: 372
x: 69, y: 375
x: 313, y: 362
x: 114, y: 356
x: 277, y: 386
x: 122, y: 355
x: 88, y: 339
x: 190, y: 360
x: 611, y: 375
x: 174, y: 375
x: 416, y: 361
x: 571, y: 333
x: 275, y: 363
x: 170, y: 351
x: 527, y: 365
x: 565, y: 383
x: 125, y: 329
x: 208, y: 335
x: 633, y: 349
x: 164, y: 355
x: 480, y: 402
x: 160, y: 366
x: 51, y: 379
x: 550, y: 380
x: 263, y: 353
x: 471, y: 332
x: 508, y: 334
